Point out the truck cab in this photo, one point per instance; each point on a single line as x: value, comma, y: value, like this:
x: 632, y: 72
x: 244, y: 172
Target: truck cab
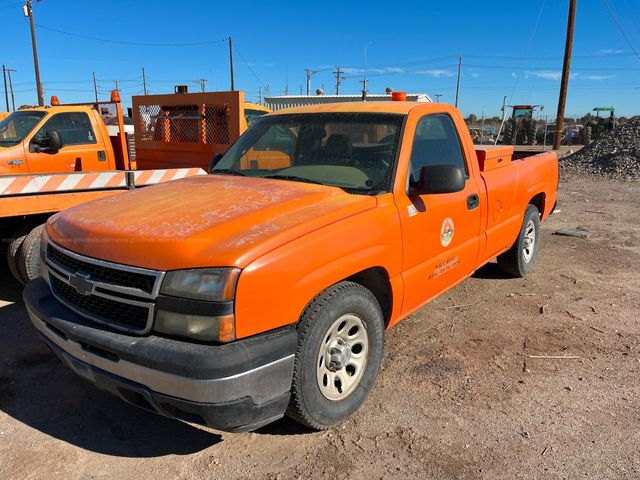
x: 55, y: 139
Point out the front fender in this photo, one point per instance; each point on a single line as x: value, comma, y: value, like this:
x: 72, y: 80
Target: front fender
x: 274, y: 289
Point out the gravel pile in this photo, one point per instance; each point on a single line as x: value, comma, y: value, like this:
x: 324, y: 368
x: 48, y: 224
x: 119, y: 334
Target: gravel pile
x: 616, y: 155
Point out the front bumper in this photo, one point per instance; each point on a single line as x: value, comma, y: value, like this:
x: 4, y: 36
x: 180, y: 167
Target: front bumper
x: 234, y: 387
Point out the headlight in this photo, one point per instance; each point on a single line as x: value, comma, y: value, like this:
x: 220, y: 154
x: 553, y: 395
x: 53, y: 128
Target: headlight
x: 197, y: 304
x: 199, y: 327
x: 210, y: 284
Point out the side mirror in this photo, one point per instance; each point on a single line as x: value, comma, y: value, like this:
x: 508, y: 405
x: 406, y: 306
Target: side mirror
x: 436, y: 179
x: 50, y: 143
x: 214, y: 161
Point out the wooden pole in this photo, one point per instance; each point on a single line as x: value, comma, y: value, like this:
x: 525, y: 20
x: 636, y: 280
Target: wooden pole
x: 566, y: 66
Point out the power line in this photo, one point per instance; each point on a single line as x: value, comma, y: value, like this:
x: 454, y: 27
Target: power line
x: 248, y: 66
x: 615, y: 20
x: 529, y: 44
x: 120, y: 42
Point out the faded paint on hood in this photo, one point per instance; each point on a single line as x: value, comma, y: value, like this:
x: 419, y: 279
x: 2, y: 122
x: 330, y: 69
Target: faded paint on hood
x: 201, y: 221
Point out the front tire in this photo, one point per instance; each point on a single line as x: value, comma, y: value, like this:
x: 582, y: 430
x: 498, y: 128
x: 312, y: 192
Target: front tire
x: 521, y: 257
x: 28, y: 260
x: 340, y: 347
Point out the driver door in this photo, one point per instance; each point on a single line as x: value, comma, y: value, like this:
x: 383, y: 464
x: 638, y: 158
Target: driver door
x: 78, y: 144
x: 441, y: 232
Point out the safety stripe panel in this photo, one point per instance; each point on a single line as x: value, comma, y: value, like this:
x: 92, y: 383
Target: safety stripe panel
x: 28, y: 184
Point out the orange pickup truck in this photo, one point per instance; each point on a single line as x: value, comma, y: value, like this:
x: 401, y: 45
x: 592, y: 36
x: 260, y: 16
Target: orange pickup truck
x: 264, y: 288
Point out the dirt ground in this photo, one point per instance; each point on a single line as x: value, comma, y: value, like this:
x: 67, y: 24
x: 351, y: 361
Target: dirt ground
x: 461, y: 393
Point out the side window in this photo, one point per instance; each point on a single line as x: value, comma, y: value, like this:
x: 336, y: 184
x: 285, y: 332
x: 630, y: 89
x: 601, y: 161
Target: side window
x: 436, y: 143
x: 74, y: 128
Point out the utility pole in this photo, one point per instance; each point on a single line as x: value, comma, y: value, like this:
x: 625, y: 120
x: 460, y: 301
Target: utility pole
x: 437, y: 95
x: 260, y: 94
x: 339, y: 78
x: 6, y: 92
x: 95, y: 86
x: 28, y: 11
x: 458, y: 83
x: 13, y: 100
x: 203, y: 83
x: 566, y: 66
x: 366, y: 70
x: 286, y: 80
x: 231, y: 63
x: 504, y: 111
x: 308, y: 72
x: 144, y: 82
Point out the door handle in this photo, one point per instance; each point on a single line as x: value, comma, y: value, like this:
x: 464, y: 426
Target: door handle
x: 473, y: 201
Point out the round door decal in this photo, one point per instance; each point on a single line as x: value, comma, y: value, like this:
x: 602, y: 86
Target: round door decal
x: 446, y: 232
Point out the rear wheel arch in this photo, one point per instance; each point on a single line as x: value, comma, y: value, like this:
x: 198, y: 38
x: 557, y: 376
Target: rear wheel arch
x: 538, y: 201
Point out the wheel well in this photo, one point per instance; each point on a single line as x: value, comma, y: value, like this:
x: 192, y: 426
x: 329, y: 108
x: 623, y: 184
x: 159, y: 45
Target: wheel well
x: 13, y: 227
x: 538, y: 202
x: 376, y: 280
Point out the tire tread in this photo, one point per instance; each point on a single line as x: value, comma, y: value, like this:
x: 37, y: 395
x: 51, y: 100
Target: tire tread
x: 509, y: 261
x: 296, y: 409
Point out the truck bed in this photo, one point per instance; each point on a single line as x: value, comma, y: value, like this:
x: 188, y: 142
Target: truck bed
x: 510, y: 185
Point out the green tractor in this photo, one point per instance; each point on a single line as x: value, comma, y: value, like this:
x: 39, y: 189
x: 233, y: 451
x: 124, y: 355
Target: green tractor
x: 521, y: 128
x: 595, y: 128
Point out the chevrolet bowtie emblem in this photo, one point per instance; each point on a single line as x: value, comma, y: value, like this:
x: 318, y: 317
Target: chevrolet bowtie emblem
x: 80, y: 281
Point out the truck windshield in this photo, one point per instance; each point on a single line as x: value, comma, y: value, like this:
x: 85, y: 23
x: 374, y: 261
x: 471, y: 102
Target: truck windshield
x: 353, y: 151
x: 16, y: 126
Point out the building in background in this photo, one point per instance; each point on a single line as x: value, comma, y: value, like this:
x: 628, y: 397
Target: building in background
x: 289, y: 101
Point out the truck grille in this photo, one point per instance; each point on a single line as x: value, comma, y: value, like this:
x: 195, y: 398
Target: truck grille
x: 116, y: 295
x: 130, y: 317
x: 102, y: 273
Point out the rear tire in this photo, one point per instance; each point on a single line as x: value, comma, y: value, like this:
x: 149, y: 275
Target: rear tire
x: 532, y: 131
x: 521, y: 257
x: 13, y: 254
x: 28, y: 259
x: 507, y: 139
x: 340, y: 346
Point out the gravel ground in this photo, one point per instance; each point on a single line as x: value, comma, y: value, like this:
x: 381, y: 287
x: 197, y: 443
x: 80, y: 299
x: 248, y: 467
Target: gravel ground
x: 461, y: 394
x: 616, y: 155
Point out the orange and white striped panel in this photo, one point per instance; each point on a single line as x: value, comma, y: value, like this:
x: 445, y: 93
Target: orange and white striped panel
x: 70, y: 182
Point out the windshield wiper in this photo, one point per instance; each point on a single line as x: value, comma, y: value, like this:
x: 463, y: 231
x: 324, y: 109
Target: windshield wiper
x: 293, y: 177
x: 228, y: 171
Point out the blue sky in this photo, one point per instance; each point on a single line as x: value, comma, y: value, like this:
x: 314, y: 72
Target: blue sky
x: 511, y: 48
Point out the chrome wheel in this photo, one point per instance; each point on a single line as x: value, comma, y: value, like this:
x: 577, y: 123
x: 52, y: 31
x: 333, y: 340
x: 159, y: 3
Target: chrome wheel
x: 342, y: 359
x: 529, y: 241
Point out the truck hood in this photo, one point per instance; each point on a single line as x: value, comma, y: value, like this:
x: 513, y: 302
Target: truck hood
x: 201, y: 221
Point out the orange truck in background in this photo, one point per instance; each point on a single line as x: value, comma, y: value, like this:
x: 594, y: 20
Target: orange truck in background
x: 189, y: 129
x: 264, y: 288
x: 56, y: 157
